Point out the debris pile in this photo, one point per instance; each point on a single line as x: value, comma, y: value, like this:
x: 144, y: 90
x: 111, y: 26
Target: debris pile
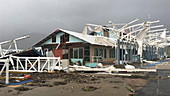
x: 2, y: 85
x: 22, y: 88
x: 41, y: 84
x: 56, y: 83
x: 77, y: 78
x: 89, y: 88
x: 116, y: 82
x: 41, y: 77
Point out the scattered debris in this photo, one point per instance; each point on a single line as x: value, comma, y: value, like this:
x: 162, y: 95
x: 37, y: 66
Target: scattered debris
x: 77, y: 78
x: 130, y: 89
x: 44, y: 75
x: 116, y: 87
x: 89, y: 88
x: 10, y: 91
x: 2, y: 85
x: 27, y: 76
x: 129, y: 67
x: 131, y: 94
x: 116, y: 82
x: 41, y: 84
x: 22, y: 88
x: 134, y: 76
x: 59, y: 83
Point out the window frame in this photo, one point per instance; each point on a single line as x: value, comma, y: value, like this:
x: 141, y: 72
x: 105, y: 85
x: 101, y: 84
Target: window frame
x: 100, y: 52
x: 112, y: 54
x: 64, y: 38
x: 54, y: 39
x: 72, y: 54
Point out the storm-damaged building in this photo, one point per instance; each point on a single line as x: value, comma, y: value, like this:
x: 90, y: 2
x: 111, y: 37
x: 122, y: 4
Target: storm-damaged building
x: 106, y: 44
x: 78, y: 47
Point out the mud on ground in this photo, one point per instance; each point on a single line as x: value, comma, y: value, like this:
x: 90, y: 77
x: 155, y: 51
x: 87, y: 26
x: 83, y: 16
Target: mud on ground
x: 76, y: 84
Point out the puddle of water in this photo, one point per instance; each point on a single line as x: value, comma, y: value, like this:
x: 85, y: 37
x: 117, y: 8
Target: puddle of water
x: 160, y: 87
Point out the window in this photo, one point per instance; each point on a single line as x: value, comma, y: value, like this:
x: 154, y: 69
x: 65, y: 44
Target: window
x: 80, y: 52
x: 104, y: 53
x: 64, y: 38
x: 87, y: 53
x: 76, y: 53
x: 54, y: 38
x: 112, y: 53
x: 100, y: 52
x: 71, y: 53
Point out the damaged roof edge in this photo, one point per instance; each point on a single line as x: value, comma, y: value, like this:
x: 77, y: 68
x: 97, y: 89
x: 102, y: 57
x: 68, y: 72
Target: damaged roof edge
x: 47, y: 37
x: 88, y: 38
x: 75, y: 34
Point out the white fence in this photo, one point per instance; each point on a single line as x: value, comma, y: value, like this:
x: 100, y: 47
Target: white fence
x: 28, y: 64
x: 35, y: 64
x: 5, y: 63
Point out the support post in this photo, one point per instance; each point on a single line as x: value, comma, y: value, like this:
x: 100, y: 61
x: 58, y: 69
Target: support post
x: 134, y: 53
x: 118, y: 52
x: 1, y: 51
x: 7, y: 71
x: 151, y: 49
x: 122, y: 51
x: 166, y: 51
x: 17, y: 63
x: 12, y: 62
x: 158, y: 52
x: 48, y: 64
x: 147, y: 52
x: 127, y: 55
x: 115, y: 54
x: 59, y: 64
x: 130, y: 52
x: 38, y: 65
x: 26, y: 65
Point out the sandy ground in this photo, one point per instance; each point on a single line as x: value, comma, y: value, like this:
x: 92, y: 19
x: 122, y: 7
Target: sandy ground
x: 106, y: 85
x: 73, y: 89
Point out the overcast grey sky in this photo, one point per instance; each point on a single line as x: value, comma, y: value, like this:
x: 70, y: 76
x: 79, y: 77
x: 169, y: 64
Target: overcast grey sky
x: 41, y: 17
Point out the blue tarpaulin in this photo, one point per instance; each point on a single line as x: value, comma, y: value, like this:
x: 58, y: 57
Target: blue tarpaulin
x: 20, y: 83
x: 151, y: 65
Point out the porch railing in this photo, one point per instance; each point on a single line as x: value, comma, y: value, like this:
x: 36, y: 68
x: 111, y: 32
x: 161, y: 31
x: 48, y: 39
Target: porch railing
x: 37, y: 64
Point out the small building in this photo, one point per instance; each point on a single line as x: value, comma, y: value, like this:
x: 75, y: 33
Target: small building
x: 79, y: 48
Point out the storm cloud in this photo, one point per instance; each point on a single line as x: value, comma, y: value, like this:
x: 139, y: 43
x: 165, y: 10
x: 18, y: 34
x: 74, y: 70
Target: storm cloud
x: 41, y: 17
